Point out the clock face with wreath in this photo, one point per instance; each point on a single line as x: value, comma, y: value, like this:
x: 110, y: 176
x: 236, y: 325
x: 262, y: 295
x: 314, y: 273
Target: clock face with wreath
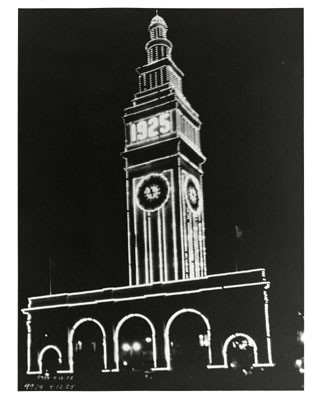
x: 192, y: 194
x: 153, y: 192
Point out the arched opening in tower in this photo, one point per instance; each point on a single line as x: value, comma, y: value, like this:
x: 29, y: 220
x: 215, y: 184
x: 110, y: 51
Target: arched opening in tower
x: 88, y: 349
x: 136, y: 345
x: 189, y: 343
x: 240, y: 353
x: 50, y: 362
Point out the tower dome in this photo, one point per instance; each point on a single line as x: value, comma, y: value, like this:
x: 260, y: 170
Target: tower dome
x: 157, y: 20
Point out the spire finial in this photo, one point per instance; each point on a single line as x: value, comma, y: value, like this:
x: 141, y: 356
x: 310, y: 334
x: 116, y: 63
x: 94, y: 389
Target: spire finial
x: 156, y: 12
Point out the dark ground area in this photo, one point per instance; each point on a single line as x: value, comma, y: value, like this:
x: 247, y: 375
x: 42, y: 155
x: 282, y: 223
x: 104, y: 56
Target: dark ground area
x: 266, y: 379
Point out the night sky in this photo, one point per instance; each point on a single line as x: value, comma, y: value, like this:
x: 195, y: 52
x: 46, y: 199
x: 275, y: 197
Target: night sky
x: 244, y: 76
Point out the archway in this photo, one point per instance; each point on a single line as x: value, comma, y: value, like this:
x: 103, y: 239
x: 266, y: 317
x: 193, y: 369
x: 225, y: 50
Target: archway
x: 49, y: 360
x: 135, y: 344
x: 188, y: 341
x: 87, y: 347
x: 240, y: 352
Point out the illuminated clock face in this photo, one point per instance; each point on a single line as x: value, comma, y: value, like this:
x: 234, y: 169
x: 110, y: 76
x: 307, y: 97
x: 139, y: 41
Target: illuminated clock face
x: 192, y: 194
x: 150, y: 129
x: 153, y: 192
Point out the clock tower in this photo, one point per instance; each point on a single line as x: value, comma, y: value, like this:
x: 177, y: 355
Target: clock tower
x: 163, y: 165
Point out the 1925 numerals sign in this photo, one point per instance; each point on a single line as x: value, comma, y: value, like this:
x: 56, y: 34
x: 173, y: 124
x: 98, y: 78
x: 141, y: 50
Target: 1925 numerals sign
x: 150, y: 128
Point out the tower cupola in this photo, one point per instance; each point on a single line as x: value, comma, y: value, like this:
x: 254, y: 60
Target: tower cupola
x: 159, y: 46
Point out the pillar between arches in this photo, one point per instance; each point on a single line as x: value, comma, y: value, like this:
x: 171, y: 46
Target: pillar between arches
x: 111, y: 365
x: 160, y: 346
x: 216, y: 349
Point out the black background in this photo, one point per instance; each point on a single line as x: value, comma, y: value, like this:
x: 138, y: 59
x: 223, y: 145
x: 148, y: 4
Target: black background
x: 243, y: 74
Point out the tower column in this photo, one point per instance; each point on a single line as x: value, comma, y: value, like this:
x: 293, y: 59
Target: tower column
x: 165, y: 212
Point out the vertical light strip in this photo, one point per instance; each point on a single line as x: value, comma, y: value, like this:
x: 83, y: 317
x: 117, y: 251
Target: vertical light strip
x: 160, y: 247
x: 128, y: 227
x: 197, y: 248
x: 203, y: 227
x: 144, y: 216
x: 201, y: 247
x: 187, y: 243
x: 269, y: 342
x: 184, y: 232
x: 151, y: 267
x: 193, y: 245
x: 116, y: 347
x: 28, y: 324
x: 181, y: 216
x: 197, y: 257
x: 178, y: 123
x: 209, y: 347
x: 189, y: 239
x: 173, y: 115
x: 174, y: 227
x: 192, y: 254
x: 164, y: 244
x: 266, y: 306
x: 135, y: 229
x: 70, y: 334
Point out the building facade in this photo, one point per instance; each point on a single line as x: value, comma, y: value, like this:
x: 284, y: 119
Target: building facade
x: 172, y: 313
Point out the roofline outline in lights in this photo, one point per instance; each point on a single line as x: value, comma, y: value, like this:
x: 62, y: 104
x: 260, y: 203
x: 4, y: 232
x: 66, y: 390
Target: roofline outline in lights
x: 266, y: 284
x: 149, y: 284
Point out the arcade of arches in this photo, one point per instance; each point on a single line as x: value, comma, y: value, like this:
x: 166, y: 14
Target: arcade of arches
x: 187, y: 337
